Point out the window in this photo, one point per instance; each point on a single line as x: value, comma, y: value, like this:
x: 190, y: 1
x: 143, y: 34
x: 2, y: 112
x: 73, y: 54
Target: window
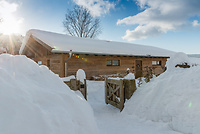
x: 113, y: 62
x: 39, y: 62
x: 156, y: 62
x: 109, y: 63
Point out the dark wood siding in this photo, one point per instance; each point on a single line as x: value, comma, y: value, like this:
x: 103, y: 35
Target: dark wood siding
x: 97, y: 65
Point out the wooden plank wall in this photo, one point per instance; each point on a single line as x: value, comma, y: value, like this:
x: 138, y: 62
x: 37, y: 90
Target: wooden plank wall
x: 37, y: 52
x: 56, y: 63
x: 93, y: 65
x: 96, y: 65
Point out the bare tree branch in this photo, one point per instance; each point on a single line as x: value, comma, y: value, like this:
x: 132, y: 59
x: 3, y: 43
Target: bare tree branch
x: 80, y: 23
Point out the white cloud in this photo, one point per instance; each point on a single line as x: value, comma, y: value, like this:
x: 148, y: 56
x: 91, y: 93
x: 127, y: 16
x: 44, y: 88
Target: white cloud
x: 196, y: 23
x: 142, y: 32
x: 7, y: 8
x: 160, y: 16
x: 96, y: 7
x: 10, y: 23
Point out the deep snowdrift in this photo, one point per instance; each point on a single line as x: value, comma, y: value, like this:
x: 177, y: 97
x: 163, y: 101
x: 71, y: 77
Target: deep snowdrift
x: 33, y: 100
x: 173, y: 97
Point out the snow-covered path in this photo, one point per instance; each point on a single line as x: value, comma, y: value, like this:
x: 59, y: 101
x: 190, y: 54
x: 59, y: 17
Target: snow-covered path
x: 111, y: 121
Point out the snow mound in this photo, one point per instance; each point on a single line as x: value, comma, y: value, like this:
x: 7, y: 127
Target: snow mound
x: 173, y: 97
x: 80, y: 75
x: 33, y: 100
x: 130, y: 76
x: 68, y: 78
x: 178, y: 58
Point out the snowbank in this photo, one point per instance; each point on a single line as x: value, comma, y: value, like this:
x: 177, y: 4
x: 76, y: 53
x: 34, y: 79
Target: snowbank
x: 173, y: 97
x: 80, y: 75
x: 130, y: 76
x: 68, y: 78
x: 33, y: 100
x: 178, y: 58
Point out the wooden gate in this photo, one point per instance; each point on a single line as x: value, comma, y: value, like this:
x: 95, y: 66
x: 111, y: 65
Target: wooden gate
x: 75, y: 85
x: 114, y: 93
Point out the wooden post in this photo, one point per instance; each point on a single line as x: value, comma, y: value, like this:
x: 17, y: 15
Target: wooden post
x: 73, y: 84
x: 106, y: 90
x: 78, y: 83
x: 62, y: 65
x: 121, y: 95
x: 85, y: 89
x: 129, y: 87
x: 68, y: 83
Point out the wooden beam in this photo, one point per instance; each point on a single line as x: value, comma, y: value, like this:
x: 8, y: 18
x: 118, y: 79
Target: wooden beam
x: 42, y: 43
x: 32, y: 49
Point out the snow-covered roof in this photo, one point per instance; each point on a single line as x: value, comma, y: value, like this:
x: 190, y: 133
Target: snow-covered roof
x: 61, y: 43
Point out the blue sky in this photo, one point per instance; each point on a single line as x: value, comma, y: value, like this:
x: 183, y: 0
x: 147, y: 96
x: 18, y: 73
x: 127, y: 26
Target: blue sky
x: 172, y: 24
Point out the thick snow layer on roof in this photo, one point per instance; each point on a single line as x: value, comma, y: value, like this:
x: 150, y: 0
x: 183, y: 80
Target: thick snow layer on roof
x: 65, y: 43
x: 33, y: 100
x: 172, y: 97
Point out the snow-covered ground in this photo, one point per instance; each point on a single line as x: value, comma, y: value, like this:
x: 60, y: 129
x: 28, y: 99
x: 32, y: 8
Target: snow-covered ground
x: 33, y: 100
x: 111, y: 121
x: 173, y: 97
x: 169, y: 104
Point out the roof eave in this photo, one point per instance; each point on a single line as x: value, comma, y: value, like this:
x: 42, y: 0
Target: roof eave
x: 105, y: 54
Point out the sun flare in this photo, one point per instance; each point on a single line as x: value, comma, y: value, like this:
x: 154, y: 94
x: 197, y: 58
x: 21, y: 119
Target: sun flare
x: 9, y: 25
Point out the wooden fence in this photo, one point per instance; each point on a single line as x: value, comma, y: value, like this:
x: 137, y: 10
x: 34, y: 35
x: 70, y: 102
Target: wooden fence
x: 117, y: 91
x: 75, y: 85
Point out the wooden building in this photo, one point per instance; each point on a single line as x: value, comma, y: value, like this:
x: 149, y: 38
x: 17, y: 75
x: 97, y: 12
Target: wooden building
x: 64, y: 55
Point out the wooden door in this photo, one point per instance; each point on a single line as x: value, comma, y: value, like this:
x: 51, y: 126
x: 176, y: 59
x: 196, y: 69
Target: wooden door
x: 138, y: 68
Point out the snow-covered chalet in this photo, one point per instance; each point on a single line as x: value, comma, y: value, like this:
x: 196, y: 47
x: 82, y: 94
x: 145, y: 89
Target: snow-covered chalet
x: 64, y: 55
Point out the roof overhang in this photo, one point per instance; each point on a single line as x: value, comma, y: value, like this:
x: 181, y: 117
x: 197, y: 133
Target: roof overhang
x: 106, y: 54
x: 59, y: 43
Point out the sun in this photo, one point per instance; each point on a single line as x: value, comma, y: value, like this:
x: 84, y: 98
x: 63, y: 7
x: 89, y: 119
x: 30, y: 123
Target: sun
x: 9, y: 25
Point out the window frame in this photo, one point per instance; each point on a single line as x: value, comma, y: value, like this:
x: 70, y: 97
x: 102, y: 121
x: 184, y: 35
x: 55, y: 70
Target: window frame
x: 112, y: 62
x: 118, y: 63
x: 157, y: 63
